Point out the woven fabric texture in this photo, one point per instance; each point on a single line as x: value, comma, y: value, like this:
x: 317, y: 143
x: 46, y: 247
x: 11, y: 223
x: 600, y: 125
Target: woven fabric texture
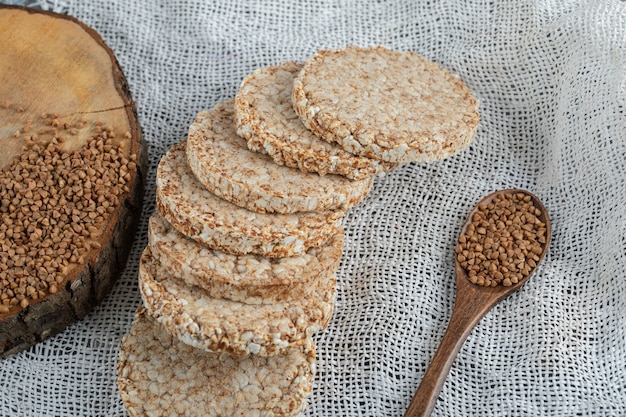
x: 551, y: 79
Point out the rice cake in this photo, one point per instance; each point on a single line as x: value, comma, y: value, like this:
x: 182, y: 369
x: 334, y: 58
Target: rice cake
x: 159, y: 376
x: 266, y: 119
x: 215, y: 324
x: 221, y: 160
x: 387, y: 105
x: 212, y: 221
x: 251, y: 279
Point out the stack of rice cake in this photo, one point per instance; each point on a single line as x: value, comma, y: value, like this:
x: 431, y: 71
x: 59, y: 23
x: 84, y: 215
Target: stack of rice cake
x: 239, y: 273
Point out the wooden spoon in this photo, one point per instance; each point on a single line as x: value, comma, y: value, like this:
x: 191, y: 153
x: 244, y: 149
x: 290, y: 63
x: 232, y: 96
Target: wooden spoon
x: 472, y: 303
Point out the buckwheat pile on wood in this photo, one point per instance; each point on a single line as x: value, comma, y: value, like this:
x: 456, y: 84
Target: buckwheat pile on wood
x: 240, y: 270
x: 73, y: 165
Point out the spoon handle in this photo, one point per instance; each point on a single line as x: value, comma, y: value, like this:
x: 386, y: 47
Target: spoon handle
x: 469, y: 308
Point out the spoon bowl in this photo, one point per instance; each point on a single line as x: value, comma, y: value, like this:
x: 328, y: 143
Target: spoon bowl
x: 472, y: 303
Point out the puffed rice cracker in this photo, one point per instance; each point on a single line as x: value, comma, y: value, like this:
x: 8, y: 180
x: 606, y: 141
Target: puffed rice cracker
x: 212, y: 221
x: 214, y: 324
x: 387, y: 105
x: 251, y: 279
x: 159, y: 376
x: 266, y: 119
x: 221, y: 160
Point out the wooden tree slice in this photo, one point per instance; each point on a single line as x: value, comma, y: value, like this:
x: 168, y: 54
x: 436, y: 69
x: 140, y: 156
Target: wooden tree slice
x: 71, y: 141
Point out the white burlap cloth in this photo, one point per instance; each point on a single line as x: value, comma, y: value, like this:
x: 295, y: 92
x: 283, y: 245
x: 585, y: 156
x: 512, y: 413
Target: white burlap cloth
x: 551, y: 79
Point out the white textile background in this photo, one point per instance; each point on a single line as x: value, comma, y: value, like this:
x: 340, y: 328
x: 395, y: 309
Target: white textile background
x: 551, y: 79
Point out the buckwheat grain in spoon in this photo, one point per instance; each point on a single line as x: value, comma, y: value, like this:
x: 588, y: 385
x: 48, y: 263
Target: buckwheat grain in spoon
x: 502, y: 241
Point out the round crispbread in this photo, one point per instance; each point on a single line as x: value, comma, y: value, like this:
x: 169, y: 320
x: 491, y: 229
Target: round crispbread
x: 387, y: 105
x: 159, y: 376
x: 266, y: 119
x: 250, y: 279
x: 210, y: 220
x: 221, y: 160
x: 215, y: 324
